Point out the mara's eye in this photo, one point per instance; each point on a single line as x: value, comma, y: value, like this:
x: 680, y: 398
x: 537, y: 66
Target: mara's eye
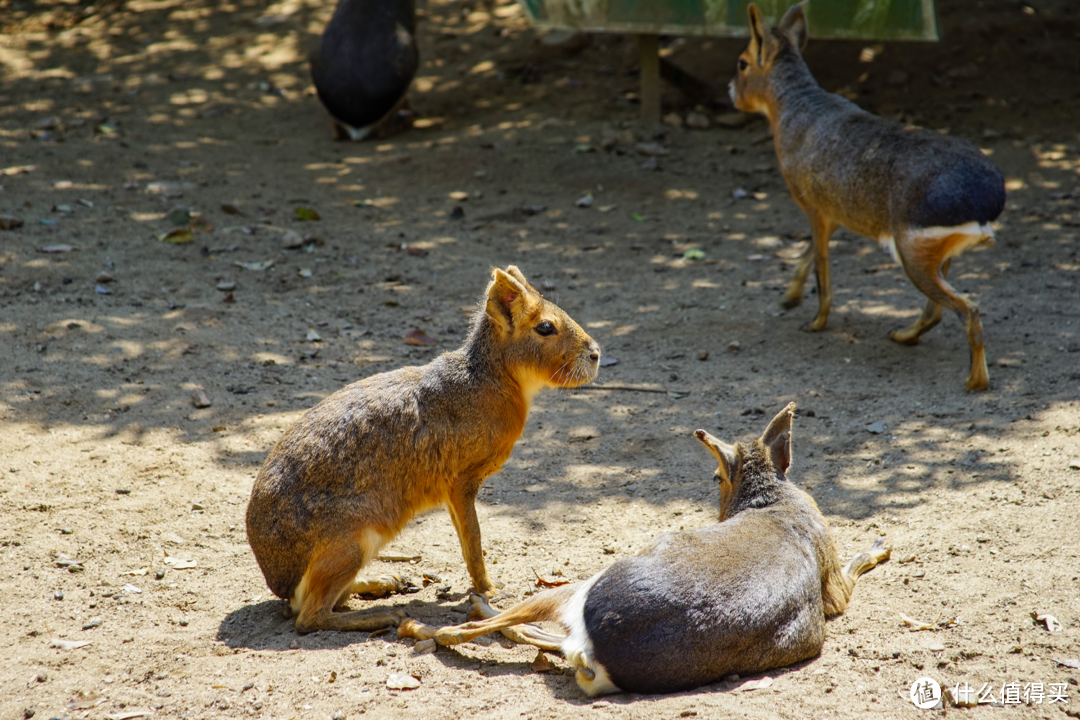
x: 743, y: 65
x: 545, y: 329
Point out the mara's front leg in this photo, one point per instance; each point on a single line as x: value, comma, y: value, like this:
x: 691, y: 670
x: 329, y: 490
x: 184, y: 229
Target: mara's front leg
x: 822, y: 229
x: 462, y: 507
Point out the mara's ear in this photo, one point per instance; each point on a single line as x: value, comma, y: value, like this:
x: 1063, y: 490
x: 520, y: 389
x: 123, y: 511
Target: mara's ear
x: 758, y: 32
x: 506, y: 299
x: 512, y: 271
x: 777, y: 439
x: 794, y: 26
x: 726, y: 456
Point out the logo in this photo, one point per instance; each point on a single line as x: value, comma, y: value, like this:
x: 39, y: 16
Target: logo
x: 925, y: 693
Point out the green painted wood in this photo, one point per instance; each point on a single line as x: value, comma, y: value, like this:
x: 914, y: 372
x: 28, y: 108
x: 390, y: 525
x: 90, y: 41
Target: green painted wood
x: 855, y: 19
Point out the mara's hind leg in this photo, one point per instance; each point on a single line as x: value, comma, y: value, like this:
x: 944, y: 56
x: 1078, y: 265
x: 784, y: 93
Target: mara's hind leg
x: 924, y: 259
x: 793, y: 295
x: 928, y: 320
x: 329, y: 578
x: 521, y: 634
x: 822, y: 228
x: 841, y: 582
x: 547, y: 605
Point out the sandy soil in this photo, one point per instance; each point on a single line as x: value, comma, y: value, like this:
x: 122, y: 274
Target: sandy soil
x: 122, y: 121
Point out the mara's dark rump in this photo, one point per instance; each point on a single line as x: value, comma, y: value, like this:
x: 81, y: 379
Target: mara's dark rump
x: 970, y: 190
x: 366, y: 59
x: 763, y: 611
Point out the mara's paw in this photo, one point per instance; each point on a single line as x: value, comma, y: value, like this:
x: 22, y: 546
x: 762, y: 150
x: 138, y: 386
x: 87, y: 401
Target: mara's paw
x: 492, y: 592
x: 453, y: 635
x: 479, y: 609
x: 978, y: 382
x: 905, y: 336
x: 410, y: 628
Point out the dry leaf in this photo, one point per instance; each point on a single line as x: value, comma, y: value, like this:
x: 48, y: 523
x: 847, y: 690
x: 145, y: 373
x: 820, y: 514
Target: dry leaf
x: 84, y: 701
x: 306, y: 213
x: 256, y: 266
x: 916, y: 625
x: 179, y: 236
x: 68, y: 644
x: 178, y: 564
x: 541, y: 582
x: 419, y: 337
x: 540, y: 663
x: 1047, y: 621
x: 1072, y: 663
x: 128, y: 714
x: 201, y: 224
x: 756, y: 684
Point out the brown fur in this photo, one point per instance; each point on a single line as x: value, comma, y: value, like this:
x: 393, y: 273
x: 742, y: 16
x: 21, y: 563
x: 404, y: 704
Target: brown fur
x: 932, y: 194
x: 355, y: 468
x: 747, y: 594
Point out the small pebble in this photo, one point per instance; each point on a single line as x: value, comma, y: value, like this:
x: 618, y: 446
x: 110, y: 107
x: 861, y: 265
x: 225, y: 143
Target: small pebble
x: 734, y: 346
x: 58, y: 595
x: 401, y: 681
x: 697, y: 121
x: 29, y: 713
x: 92, y: 623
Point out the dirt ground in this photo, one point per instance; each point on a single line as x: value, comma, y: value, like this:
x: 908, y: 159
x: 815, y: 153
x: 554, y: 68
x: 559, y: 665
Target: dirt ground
x: 123, y: 121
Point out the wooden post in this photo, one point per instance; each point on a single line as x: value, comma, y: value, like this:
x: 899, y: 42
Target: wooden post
x: 649, y: 62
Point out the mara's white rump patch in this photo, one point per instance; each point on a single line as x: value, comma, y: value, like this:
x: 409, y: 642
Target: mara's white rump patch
x: 973, y: 234
x: 577, y: 648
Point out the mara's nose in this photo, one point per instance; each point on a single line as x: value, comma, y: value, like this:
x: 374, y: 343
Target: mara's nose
x: 594, y: 352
